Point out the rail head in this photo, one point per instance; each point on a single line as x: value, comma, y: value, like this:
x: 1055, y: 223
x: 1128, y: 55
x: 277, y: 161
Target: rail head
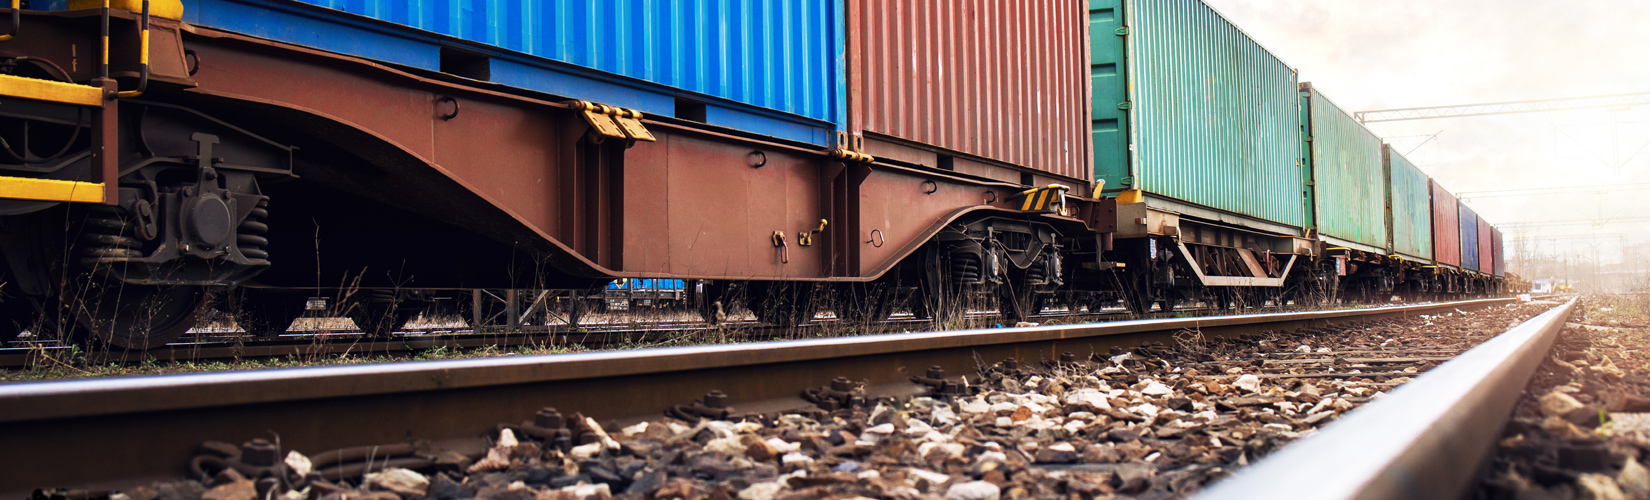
x: 77, y: 398
x: 1425, y: 439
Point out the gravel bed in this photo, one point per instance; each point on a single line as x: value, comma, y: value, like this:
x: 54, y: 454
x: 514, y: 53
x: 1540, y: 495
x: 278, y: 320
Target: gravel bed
x: 1582, y: 428
x: 1157, y: 421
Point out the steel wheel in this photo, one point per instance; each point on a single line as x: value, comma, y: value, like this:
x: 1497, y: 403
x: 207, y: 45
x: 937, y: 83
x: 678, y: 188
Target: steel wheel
x: 136, y: 317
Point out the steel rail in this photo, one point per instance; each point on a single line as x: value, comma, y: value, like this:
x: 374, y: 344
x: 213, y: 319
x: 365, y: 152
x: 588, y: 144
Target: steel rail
x: 1425, y: 439
x: 102, y: 433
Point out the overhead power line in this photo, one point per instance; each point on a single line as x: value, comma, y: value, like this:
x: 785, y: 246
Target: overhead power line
x: 1599, y: 188
x: 1498, y: 108
x: 1572, y: 222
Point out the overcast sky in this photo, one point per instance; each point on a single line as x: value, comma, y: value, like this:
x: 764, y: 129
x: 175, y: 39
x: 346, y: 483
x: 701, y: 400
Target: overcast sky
x: 1375, y: 54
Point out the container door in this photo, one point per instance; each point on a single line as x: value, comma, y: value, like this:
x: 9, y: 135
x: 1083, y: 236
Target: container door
x: 1109, y: 104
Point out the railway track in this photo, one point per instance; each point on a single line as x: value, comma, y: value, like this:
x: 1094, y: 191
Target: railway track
x: 211, y: 345
x: 118, y: 433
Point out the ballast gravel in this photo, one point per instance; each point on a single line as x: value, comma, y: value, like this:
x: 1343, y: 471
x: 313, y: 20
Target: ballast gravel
x: 1155, y: 421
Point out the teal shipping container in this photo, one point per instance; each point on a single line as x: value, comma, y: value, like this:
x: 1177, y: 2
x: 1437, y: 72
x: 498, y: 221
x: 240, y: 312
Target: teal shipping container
x: 1410, y: 217
x: 1348, y: 185
x: 1195, y: 113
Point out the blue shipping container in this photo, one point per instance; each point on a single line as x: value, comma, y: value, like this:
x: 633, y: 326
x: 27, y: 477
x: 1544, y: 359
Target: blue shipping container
x: 1469, y: 238
x: 768, y: 66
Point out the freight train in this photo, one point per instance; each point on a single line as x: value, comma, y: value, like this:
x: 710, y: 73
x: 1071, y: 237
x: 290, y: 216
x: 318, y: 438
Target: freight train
x: 861, y: 155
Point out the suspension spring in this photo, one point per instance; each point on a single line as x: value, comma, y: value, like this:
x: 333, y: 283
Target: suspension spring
x: 966, y: 267
x: 106, y: 238
x: 250, y: 235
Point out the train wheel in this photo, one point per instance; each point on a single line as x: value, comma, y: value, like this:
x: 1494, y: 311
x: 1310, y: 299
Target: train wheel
x: 136, y: 317
x: 266, y: 313
x: 783, y: 304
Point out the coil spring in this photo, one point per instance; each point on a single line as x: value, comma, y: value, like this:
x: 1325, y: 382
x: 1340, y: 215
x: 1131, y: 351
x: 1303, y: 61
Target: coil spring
x: 1038, y: 272
x: 966, y: 267
x: 249, y: 236
x: 106, y: 237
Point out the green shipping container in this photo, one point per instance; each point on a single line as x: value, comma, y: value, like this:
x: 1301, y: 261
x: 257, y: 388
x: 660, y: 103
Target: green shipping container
x: 1411, y: 202
x: 1348, y: 182
x: 1189, y: 109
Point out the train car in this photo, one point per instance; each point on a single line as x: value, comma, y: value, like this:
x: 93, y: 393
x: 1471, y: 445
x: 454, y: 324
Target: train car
x: 1348, y: 201
x: 1409, y: 225
x: 1210, y: 194
x: 782, y: 156
x: 385, y: 153
x: 1469, y: 249
x: 627, y: 294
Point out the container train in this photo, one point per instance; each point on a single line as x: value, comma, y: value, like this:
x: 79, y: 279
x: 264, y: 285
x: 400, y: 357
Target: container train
x: 860, y: 155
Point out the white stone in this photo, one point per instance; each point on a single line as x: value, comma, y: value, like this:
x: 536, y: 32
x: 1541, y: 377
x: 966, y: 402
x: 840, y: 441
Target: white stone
x: 742, y: 427
x: 1325, y: 349
x: 1341, y: 405
x: 1304, y: 348
x: 974, y: 490
x: 1004, y: 406
x: 634, y: 429
x: 1063, y: 447
x: 401, y: 481
x: 942, y: 415
x: 1155, y: 388
x: 1147, y: 409
x: 796, y: 458
x: 782, y: 446
x: 589, y: 490
x: 592, y: 449
x: 761, y: 491
x: 1599, y: 487
x: 991, y: 455
x: 298, y: 463
x: 1634, y: 479
x: 1005, y: 422
x: 976, y: 406
x: 914, y: 427
x: 507, y: 439
x: 884, y: 429
x: 1556, y: 404
x: 1089, y: 397
x: 1248, y: 382
x: 731, y: 445
x: 932, y: 477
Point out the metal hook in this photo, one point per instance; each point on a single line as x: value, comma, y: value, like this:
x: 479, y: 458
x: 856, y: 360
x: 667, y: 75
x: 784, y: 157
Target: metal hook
x: 784, y: 249
x: 757, y: 159
x: 454, y: 113
x: 991, y: 196
x: 876, y: 238
x: 930, y: 187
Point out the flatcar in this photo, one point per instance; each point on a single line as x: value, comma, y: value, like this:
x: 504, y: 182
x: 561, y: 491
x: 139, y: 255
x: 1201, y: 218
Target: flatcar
x: 792, y: 155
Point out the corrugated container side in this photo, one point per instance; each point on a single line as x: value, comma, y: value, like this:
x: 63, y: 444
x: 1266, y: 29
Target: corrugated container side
x: 1500, y: 250
x: 1446, y: 227
x: 1213, y: 117
x: 1469, y: 238
x: 1486, y: 247
x: 1000, y: 80
x: 1411, y: 206
x: 1349, y: 185
x: 782, y: 55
